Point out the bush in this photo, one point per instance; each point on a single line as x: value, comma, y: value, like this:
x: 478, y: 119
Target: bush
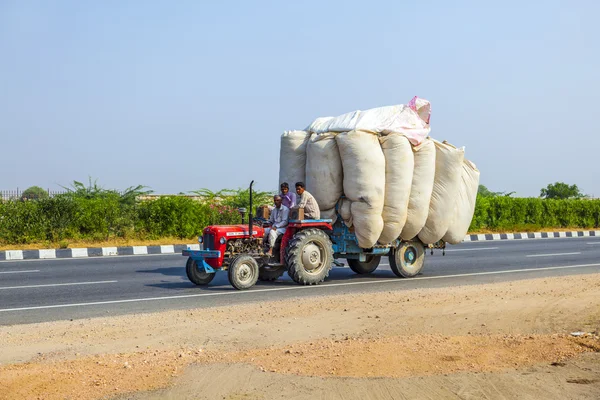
x: 21, y: 222
x: 515, y: 214
x: 93, y: 213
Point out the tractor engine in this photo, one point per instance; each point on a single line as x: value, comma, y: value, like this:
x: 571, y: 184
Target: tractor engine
x: 229, y: 241
x: 243, y: 246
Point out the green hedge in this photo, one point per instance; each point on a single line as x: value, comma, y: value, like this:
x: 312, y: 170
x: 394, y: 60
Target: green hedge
x: 70, y: 217
x: 515, y: 214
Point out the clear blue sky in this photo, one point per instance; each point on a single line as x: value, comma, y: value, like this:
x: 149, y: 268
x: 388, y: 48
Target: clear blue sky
x: 190, y: 94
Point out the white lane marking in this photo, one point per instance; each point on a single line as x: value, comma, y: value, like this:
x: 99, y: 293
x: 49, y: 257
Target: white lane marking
x: 593, y: 243
x: 552, y: 255
x: 19, y: 272
x: 236, y: 292
x: 481, y: 248
x: 56, y: 284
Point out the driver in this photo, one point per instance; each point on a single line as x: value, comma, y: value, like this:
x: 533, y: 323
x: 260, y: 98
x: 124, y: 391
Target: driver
x: 279, y: 222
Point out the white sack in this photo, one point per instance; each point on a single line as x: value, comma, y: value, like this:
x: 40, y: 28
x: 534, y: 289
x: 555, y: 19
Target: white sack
x: 292, y: 157
x: 399, y: 165
x: 411, y: 120
x: 329, y: 214
x: 344, y: 208
x: 364, y: 183
x: 324, y: 175
x: 448, y: 167
x: 421, y: 188
x: 465, y: 204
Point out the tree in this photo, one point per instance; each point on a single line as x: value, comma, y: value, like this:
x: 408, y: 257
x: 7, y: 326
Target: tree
x: 560, y: 190
x: 485, y: 192
x: 34, y: 193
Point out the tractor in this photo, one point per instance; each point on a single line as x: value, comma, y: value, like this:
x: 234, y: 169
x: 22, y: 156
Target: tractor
x: 307, y: 252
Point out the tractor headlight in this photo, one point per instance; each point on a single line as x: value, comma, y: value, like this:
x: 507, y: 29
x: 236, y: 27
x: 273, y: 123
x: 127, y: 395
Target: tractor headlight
x: 222, y: 240
x: 200, y: 239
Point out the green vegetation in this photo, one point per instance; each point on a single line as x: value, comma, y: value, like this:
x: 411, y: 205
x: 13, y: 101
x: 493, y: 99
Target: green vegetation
x: 97, y: 214
x: 502, y: 213
x: 93, y: 213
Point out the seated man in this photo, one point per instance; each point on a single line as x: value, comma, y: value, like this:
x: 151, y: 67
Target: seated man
x: 279, y: 222
x: 307, y: 201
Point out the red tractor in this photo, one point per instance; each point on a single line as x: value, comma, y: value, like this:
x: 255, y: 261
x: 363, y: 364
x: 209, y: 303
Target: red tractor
x: 306, y: 252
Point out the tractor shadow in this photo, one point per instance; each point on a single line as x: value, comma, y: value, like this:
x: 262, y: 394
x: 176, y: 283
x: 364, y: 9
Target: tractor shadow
x: 221, y: 282
x: 166, y: 271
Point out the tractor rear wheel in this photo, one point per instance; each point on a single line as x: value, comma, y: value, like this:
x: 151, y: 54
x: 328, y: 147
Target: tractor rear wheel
x: 196, y: 275
x: 243, y: 272
x: 364, y: 267
x: 309, y: 257
x: 407, y: 260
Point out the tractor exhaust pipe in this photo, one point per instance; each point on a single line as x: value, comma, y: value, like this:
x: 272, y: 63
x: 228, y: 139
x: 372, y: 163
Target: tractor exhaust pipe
x: 250, y: 216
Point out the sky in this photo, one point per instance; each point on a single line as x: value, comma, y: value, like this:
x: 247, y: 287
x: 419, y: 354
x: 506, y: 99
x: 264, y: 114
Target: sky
x: 185, y: 95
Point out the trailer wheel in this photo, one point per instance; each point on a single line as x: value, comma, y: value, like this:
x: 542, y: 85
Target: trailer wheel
x: 309, y: 257
x: 407, y: 260
x: 364, y: 267
x: 243, y: 272
x: 196, y: 275
x: 267, y: 273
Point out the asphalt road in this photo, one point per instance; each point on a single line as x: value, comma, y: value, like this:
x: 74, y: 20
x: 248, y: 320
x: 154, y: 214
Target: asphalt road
x: 46, y: 290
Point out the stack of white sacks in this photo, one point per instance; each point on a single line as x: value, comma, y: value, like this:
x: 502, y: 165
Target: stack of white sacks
x: 388, y: 178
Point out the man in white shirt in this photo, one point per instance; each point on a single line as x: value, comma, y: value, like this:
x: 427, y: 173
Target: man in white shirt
x: 279, y: 221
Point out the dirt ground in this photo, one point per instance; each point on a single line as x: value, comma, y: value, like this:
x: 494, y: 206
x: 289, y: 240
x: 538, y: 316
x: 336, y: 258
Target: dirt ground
x: 494, y: 341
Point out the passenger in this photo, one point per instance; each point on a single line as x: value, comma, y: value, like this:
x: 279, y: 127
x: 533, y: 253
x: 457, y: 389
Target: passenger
x: 289, y: 198
x: 307, y: 201
x: 279, y: 222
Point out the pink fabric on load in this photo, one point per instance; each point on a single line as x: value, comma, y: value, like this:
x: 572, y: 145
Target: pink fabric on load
x: 413, y: 103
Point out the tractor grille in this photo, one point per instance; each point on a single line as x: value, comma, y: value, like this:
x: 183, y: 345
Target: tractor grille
x: 209, y: 241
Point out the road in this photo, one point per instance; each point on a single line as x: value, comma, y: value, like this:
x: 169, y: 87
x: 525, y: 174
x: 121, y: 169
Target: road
x: 47, y: 290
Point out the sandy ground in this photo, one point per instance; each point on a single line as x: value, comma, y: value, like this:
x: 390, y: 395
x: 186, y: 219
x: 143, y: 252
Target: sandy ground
x: 495, y: 341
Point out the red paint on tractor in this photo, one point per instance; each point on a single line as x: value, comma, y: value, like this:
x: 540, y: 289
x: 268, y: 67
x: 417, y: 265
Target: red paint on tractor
x: 212, y: 238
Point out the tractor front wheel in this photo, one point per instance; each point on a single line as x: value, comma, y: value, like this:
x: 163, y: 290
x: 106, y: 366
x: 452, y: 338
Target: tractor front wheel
x: 309, y: 257
x: 243, y: 272
x: 198, y: 276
